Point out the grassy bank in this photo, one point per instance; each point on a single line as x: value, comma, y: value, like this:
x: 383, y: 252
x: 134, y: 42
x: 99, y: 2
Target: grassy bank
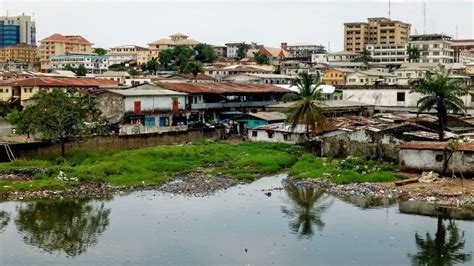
x: 156, y: 165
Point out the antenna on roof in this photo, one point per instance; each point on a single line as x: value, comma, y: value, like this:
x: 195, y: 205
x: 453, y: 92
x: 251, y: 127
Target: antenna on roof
x: 389, y: 9
x: 424, y: 17
x: 329, y: 46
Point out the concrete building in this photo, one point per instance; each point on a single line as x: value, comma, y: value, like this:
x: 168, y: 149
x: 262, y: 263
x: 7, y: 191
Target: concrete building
x: 388, y: 54
x: 370, y: 77
x: 376, y: 31
x: 336, y: 76
x: 174, y: 40
x: 58, y: 44
x: 144, y: 109
x: 126, y: 54
x: 434, y: 48
x: 278, y: 132
x: 232, y: 50
x: 410, y: 72
x: 17, y: 30
x: 18, y: 57
x: 220, y: 50
x: 294, y: 67
x: 94, y: 63
x: 259, y: 79
x: 302, y: 51
x: 221, y: 72
x: 463, y: 48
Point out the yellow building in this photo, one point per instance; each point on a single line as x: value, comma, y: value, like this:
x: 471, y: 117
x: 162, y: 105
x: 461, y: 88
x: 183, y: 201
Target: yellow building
x: 336, y: 76
x: 21, y: 53
x: 376, y: 31
x: 58, y: 44
x: 175, y: 40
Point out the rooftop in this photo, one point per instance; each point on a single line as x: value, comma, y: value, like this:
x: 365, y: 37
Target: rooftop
x: 468, y: 146
x: 110, y: 73
x: 147, y: 90
x: 61, y: 82
x: 269, y: 116
x: 67, y: 39
x: 221, y: 88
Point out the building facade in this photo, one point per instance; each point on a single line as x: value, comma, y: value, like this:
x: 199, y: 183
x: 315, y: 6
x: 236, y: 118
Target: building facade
x: 303, y: 51
x: 126, y: 54
x: 17, y: 30
x: 93, y: 63
x: 434, y: 48
x: 388, y: 53
x: 19, y: 56
x: 58, y: 44
x: 174, y: 40
x: 376, y: 31
x: 463, y: 50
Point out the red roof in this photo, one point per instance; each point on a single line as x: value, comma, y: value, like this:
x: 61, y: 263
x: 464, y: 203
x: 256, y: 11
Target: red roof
x: 415, y: 145
x: 61, y: 82
x: 69, y: 39
x: 222, y: 88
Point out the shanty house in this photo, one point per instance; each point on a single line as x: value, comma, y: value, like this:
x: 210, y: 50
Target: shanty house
x: 252, y: 120
x: 278, y: 132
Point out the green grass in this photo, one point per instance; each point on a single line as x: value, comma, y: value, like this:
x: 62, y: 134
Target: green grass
x: 150, y: 166
x: 350, y: 170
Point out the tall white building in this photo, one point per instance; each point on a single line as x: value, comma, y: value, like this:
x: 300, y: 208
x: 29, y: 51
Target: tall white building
x: 388, y: 53
x: 92, y: 62
x: 434, y: 48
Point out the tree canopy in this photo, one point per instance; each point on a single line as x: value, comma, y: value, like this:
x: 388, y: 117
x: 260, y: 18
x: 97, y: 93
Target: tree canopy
x: 363, y: 56
x: 261, y: 59
x: 413, y: 53
x: 4, y: 108
x: 58, y: 115
x: 242, y: 50
x: 441, y: 93
x: 194, y: 67
x: 100, y: 51
x: 204, y: 53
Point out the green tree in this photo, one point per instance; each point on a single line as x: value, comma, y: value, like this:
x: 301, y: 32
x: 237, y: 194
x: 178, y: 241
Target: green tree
x: 441, y: 250
x: 100, y: 51
x: 153, y: 65
x: 413, y: 53
x: 204, y: 53
x: 305, y: 109
x: 68, y: 67
x: 194, y: 67
x: 118, y: 67
x: 261, y: 59
x: 440, y: 93
x: 133, y: 72
x: 69, y: 226
x: 81, y: 71
x: 182, y: 54
x: 4, y: 108
x: 58, y: 115
x: 242, y: 50
x: 363, y: 56
x: 4, y: 220
x: 143, y: 67
x: 165, y: 57
x: 307, y: 204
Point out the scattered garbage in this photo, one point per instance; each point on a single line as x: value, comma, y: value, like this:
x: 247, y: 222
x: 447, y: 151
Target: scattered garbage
x: 428, y: 177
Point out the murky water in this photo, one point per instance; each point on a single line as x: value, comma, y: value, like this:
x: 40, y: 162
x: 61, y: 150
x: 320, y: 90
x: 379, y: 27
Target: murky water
x: 240, y: 226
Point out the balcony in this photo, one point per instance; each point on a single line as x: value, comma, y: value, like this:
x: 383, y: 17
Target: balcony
x: 197, y: 106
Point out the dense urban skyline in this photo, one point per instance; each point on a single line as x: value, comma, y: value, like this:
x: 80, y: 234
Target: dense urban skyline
x: 109, y: 24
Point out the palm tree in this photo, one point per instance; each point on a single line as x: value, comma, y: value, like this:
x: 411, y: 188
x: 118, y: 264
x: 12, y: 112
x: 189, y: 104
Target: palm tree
x: 441, y: 93
x: 194, y: 67
x: 305, y: 110
x: 364, y: 56
x: 413, y: 53
x: 441, y: 251
x: 307, y: 206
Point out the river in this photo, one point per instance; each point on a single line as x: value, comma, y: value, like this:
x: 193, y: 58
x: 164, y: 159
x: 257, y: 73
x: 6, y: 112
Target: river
x: 239, y: 226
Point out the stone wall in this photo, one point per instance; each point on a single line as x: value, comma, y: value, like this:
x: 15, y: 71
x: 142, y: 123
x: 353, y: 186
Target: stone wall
x: 116, y: 142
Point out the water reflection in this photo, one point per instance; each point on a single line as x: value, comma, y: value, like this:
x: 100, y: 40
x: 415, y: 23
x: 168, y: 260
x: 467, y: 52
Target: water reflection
x: 306, y: 206
x: 366, y: 203
x: 445, y: 249
x: 69, y: 226
x: 4, y: 220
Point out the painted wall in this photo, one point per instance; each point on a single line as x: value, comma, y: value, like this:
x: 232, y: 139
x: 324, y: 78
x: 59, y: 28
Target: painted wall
x: 149, y: 103
x: 279, y: 137
x: 412, y: 160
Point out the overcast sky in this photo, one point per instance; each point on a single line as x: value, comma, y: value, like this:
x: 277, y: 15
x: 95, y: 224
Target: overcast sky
x: 111, y: 23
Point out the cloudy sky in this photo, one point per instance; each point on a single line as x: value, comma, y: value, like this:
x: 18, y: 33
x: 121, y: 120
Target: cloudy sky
x: 110, y: 23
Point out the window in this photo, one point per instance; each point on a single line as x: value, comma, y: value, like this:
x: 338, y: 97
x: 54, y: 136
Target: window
x: 254, y: 133
x: 439, y: 158
x: 270, y: 134
x: 285, y: 137
x: 1, y: 90
x: 400, y: 96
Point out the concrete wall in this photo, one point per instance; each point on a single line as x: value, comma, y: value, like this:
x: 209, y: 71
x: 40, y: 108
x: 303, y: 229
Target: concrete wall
x: 361, y: 143
x: 149, y: 103
x: 34, y: 150
x: 381, y: 97
x: 415, y: 160
x: 279, y: 137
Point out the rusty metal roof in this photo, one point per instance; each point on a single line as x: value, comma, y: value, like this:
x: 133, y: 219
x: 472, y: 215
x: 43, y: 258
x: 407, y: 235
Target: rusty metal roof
x: 61, y: 82
x: 222, y: 88
x: 421, y: 145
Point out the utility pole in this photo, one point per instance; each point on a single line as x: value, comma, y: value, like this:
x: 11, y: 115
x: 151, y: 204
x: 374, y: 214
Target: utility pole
x: 390, y: 9
x: 424, y: 17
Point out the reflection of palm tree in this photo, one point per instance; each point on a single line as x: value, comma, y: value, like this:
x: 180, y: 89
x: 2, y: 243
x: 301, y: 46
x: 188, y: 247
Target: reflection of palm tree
x: 4, y: 219
x: 70, y: 226
x: 304, y: 211
x: 441, y: 251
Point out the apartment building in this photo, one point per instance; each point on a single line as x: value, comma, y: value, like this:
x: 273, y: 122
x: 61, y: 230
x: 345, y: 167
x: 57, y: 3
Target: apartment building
x: 125, y: 54
x: 376, y: 31
x: 463, y: 50
x: 302, y: 51
x: 58, y: 44
x: 22, y: 53
x: 93, y: 63
x: 388, y: 53
x: 17, y: 29
x: 174, y: 40
x: 434, y: 48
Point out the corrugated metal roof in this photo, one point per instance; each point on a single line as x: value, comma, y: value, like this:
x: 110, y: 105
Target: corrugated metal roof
x: 269, y: 116
x: 61, y: 82
x: 415, y: 145
x: 222, y: 88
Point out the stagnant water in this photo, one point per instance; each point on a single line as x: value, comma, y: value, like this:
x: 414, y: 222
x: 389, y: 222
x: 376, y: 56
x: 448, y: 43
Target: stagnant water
x: 240, y: 226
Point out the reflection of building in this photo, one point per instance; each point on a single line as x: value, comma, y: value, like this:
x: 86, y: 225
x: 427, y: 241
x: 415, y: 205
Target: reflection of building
x: 376, y: 31
x: 16, y: 30
x: 58, y: 44
x: 93, y: 63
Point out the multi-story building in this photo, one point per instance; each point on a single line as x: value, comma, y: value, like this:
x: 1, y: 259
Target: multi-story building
x: 93, y: 63
x: 220, y: 50
x: 58, y: 44
x: 175, y: 40
x: 17, y: 29
x: 434, y: 48
x: 388, y: 53
x: 22, y: 54
x: 232, y: 49
x: 376, y: 31
x: 302, y: 51
x: 125, y: 54
x: 463, y: 50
